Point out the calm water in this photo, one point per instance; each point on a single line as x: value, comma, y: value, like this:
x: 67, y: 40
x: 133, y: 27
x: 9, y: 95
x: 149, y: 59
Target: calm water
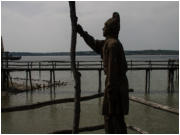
x: 56, y: 117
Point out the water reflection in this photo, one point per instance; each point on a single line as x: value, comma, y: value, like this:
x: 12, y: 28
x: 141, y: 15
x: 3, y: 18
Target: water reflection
x: 52, y: 93
x: 29, y: 97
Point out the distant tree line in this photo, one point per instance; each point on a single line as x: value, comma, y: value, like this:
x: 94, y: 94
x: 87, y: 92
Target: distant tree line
x: 136, y: 52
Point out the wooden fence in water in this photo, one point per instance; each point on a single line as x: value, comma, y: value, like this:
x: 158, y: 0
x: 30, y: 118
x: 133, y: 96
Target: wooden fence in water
x: 172, y: 66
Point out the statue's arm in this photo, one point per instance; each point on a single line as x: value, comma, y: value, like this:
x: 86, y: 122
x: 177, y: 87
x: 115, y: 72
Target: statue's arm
x: 96, y: 45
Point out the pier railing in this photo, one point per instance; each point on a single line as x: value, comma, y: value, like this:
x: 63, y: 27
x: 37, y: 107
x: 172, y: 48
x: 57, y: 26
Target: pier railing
x: 172, y: 66
x: 132, y: 64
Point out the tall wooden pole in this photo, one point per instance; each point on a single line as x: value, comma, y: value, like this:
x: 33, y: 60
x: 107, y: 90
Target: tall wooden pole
x: 76, y: 74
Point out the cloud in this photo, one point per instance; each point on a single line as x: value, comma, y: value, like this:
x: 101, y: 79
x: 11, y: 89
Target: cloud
x: 45, y: 26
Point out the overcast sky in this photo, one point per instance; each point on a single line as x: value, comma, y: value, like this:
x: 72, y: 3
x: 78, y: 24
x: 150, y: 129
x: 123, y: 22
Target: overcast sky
x: 46, y: 27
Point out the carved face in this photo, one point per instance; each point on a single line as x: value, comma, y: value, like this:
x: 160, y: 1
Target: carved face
x: 111, y: 28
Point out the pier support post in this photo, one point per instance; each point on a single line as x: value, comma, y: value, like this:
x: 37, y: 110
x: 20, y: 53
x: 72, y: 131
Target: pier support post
x: 30, y: 79
x: 99, y: 89
x: 170, y: 80
x: 50, y: 78
x: 54, y: 80
x: 170, y: 76
x: 7, y: 73
x: 26, y: 80
x: 149, y: 80
x: 39, y: 70
x: 147, y: 83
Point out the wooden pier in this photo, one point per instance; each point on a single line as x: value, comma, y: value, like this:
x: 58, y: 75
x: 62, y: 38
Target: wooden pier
x: 8, y: 66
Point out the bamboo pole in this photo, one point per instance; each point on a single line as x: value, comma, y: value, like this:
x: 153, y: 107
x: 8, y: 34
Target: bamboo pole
x: 76, y: 74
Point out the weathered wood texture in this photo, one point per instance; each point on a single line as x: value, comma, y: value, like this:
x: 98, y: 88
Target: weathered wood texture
x: 155, y: 105
x: 76, y: 74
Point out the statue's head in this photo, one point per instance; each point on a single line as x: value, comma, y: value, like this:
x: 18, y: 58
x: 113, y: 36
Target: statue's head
x: 112, y: 26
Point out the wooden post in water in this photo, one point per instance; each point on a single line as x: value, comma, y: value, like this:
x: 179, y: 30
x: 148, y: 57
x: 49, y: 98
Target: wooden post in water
x: 54, y: 78
x: 99, y: 89
x: 172, y: 81
x: 27, y: 71
x: 53, y: 74
x: 149, y: 78
x: 76, y: 73
x: 30, y: 79
x: 26, y: 80
x: 7, y: 73
x: 50, y: 81
x: 39, y: 70
x: 170, y: 76
x: 147, y: 83
x: 168, y: 81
